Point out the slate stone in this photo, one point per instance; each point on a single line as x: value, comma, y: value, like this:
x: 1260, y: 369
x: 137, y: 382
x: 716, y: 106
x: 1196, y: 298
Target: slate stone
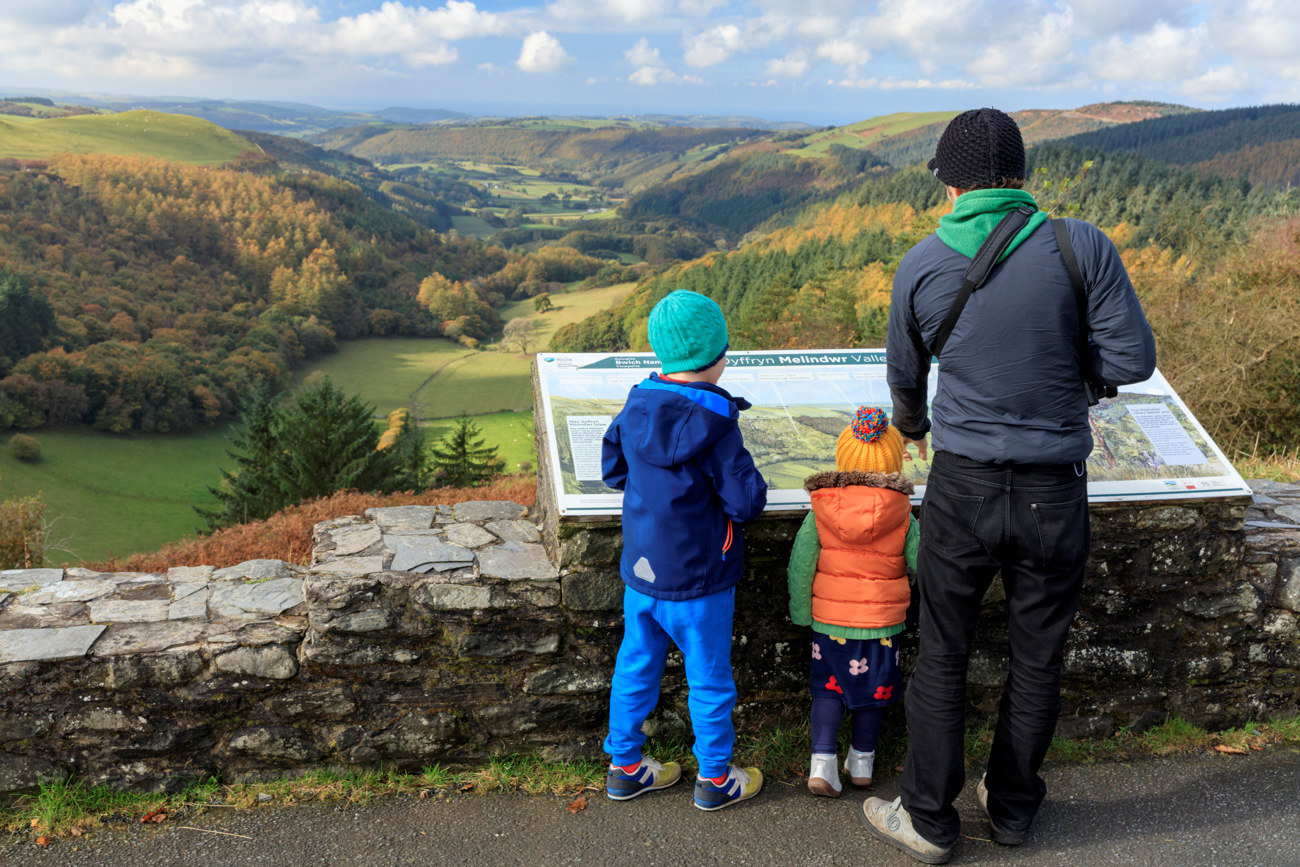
x: 1290, y: 513
x: 353, y: 540
x: 121, y: 611
x: 19, y: 645
x: 254, y: 570
x: 501, y: 646
x: 1288, y: 595
x: 1243, y: 599
x: 21, y: 579
x: 454, y: 597
x: 332, y: 703
x: 17, y: 727
x: 403, y: 516
x: 1271, y: 525
x: 269, y: 597
x: 52, y: 615
x: 1268, y: 486
x: 22, y: 773
x: 488, y: 510
x: 271, y: 662
x: 468, y: 535
x: 186, y: 589
x: 564, y: 680
x: 104, y: 719
x: 515, y: 531
x: 132, y: 672
x: 411, y: 552
x: 126, y: 638
x: 592, y: 591
x: 351, y: 566
x: 275, y: 743
x: 360, y: 621
x: 69, y: 591
x: 191, y: 606
x: 516, y: 561
x: 184, y: 574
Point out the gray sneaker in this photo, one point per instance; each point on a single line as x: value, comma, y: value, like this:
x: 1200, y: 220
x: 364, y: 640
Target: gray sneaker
x: 889, y: 822
x: 999, y: 835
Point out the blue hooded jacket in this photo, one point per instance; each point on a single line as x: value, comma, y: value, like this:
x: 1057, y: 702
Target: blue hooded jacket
x: 676, y: 453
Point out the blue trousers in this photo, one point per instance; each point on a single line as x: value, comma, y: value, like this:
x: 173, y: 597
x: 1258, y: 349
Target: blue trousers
x: 701, y: 629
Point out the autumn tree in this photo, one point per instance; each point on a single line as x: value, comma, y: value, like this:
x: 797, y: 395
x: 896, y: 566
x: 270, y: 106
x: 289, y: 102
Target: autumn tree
x: 519, y: 332
x: 461, y: 459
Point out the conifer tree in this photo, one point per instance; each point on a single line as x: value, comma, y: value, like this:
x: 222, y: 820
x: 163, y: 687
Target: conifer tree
x: 249, y: 492
x: 327, y: 442
x: 461, y: 459
x: 321, y: 442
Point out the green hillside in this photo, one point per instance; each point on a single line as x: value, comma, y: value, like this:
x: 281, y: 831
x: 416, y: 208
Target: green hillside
x: 150, y: 134
x: 1260, y: 143
x: 866, y: 133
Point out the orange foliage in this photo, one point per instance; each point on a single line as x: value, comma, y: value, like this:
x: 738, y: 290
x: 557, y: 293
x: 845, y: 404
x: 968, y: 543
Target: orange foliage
x: 286, y: 535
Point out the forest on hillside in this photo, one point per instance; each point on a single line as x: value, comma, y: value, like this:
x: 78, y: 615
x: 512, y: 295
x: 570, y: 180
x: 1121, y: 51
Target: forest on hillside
x: 149, y: 295
x: 1216, y: 263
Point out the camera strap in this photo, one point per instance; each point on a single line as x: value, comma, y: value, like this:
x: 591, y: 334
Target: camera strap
x: 978, y: 270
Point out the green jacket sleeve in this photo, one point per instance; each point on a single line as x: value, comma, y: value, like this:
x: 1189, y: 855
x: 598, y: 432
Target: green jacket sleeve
x: 803, y: 566
x: 913, y: 542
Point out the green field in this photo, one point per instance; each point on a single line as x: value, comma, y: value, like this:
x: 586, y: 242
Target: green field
x: 174, y: 137
x: 865, y: 132
x: 117, y: 494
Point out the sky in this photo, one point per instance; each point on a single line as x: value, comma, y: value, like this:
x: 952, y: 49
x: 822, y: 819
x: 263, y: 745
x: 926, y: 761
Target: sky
x: 816, y: 61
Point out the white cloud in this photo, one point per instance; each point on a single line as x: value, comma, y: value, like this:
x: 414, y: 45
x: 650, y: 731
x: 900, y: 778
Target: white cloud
x: 542, y: 52
x: 648, y: 76
x: 642, y: 54
x: 1217, y: 84
x: 712, y: 46
x: 843, y: 52
x: 397, y: 27
x: 624, y: 11
x: 147, y: 64
x: 791, y: 66
x: 1164, y: 53
x: 1034, y: 56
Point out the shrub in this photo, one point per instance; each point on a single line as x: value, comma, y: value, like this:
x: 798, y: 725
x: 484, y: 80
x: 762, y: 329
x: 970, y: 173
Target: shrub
x: 24, y: 447
x: 22, y: 533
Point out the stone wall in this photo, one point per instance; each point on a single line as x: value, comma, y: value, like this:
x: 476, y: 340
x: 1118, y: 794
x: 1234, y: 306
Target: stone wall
x: 450, y: 634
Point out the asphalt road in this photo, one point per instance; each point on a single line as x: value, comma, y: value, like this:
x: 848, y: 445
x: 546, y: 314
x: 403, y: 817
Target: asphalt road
x: 1205, y: 809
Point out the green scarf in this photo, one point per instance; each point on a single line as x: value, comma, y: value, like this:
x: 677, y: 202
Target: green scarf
x: 975, y: 215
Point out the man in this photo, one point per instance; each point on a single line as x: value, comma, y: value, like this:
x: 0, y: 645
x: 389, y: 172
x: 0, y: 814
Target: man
x: 1007, y: 489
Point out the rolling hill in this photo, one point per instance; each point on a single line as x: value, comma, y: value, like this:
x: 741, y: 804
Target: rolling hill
x: 150, y: 134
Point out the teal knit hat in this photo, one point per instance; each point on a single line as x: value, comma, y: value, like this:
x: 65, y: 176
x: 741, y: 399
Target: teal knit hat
x: 687, y: 331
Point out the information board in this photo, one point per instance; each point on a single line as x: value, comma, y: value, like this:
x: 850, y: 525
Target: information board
x: 1147, y: 444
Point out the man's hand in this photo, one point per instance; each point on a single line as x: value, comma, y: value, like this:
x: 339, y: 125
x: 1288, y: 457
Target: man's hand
x: 920, y: 448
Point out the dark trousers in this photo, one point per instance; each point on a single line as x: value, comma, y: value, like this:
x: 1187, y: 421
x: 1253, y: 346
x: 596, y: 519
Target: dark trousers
x: 1031, y: 523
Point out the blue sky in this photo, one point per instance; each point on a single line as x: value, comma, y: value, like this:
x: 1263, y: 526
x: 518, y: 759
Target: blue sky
x: 819, y: 61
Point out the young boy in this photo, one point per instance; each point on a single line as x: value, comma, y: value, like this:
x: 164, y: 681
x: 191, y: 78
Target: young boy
x: 676, y: 453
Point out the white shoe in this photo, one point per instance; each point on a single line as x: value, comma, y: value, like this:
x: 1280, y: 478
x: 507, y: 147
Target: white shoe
x: 889, y: 822
x: 823, y: 777
x: 859, y: 766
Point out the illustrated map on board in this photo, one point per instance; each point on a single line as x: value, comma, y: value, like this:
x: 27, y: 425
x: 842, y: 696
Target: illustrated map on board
x: 1146, y: 443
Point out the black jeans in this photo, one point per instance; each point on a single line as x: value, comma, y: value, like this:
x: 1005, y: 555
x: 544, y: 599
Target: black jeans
x: 1031, y: 523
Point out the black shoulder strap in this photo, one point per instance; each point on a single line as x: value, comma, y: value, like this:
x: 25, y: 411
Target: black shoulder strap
x: 978, y: 269
x: 1076, y: 278
x: 1080, y: 293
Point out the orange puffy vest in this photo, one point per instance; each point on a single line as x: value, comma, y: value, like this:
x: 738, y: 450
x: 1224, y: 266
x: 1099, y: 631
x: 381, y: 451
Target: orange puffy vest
x: 861, y: 578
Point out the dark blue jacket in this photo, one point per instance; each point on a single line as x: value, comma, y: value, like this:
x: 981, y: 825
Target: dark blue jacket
x: 1010, y: 380
x: 688, y: 483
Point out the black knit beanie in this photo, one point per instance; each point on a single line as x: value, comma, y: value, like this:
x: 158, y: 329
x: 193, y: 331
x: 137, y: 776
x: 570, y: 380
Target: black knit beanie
x: 979, y: 148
